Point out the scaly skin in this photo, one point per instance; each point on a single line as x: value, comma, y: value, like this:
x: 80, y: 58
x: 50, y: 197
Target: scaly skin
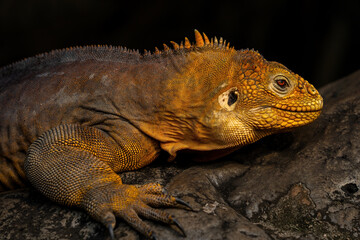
x: 84, y: 114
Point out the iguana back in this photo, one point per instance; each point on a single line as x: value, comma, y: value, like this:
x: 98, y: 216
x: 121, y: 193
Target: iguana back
x: 91, y: 86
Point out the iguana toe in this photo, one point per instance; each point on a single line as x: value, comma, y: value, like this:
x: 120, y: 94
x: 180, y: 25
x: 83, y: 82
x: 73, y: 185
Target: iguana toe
x: 152, y: 188
x: 161, y: 216
x: 132, y: 218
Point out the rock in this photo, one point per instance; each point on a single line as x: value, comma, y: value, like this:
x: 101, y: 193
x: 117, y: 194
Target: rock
x: 298, y: 185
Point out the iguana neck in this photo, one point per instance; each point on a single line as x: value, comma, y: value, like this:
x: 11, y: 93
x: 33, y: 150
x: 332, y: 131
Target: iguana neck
x: 177, y: 120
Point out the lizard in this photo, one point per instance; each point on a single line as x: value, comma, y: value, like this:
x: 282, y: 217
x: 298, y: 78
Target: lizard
x: 73, y: 118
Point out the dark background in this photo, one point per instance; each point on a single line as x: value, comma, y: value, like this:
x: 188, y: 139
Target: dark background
x: 317, y: 39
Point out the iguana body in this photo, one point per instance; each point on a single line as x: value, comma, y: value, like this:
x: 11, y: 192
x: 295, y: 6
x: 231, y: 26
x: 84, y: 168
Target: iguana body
x: 90, y: 112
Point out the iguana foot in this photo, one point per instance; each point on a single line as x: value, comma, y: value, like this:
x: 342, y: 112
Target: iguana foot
x: 129, y: 203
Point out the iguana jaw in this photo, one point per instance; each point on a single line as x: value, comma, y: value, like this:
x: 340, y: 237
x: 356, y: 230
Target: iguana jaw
x: 275, y: 118
x: 314, y: 106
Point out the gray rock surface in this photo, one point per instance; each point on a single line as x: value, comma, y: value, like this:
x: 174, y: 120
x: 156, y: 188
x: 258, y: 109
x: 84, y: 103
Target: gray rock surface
x: 298, y: 185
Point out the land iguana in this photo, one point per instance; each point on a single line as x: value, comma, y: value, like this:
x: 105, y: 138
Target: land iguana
x: 72, y: 118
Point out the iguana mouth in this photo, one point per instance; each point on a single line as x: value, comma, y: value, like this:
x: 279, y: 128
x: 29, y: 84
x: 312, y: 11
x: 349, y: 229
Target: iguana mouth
x: 314, y: 107
x: 300, y: 111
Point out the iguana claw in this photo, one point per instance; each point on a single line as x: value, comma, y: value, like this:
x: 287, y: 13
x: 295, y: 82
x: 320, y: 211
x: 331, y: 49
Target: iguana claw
x: 181, y: 202
x: 111, y: 232
x: 176, y: 223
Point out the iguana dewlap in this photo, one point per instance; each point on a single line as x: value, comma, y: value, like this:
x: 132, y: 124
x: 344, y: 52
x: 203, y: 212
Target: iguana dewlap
x: 72, y: 118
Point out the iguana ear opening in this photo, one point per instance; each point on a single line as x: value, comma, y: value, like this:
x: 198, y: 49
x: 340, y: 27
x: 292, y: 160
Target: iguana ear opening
x: 229, y: 98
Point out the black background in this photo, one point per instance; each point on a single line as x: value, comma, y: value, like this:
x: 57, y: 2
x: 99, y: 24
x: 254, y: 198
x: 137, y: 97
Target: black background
x: 317, y: 39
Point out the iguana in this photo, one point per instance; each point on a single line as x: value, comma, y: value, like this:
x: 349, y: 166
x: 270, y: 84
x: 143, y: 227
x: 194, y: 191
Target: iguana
x: 72, y: 118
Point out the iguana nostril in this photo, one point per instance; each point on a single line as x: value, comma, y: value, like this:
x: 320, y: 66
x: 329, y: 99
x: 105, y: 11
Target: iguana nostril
x: 311, y: 89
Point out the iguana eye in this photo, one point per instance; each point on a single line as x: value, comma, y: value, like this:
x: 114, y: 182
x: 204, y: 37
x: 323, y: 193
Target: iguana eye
x: 281, y: 84
x: 233, y: 97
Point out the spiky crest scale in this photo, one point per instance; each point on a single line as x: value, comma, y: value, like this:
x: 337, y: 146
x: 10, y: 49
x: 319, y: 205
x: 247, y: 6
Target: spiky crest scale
x: 206, y: 39
x: 199, y: 41
x: 114, y: 53
x: 187, y: 43
x: 175, y: 45
x: 166, y: 48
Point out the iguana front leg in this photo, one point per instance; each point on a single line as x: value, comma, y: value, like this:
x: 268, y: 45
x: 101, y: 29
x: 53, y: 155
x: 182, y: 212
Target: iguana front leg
x: 73, y: 165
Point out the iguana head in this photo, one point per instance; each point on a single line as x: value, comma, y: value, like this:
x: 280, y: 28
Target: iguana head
x: 263, y: 98
x: 222, y: 98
